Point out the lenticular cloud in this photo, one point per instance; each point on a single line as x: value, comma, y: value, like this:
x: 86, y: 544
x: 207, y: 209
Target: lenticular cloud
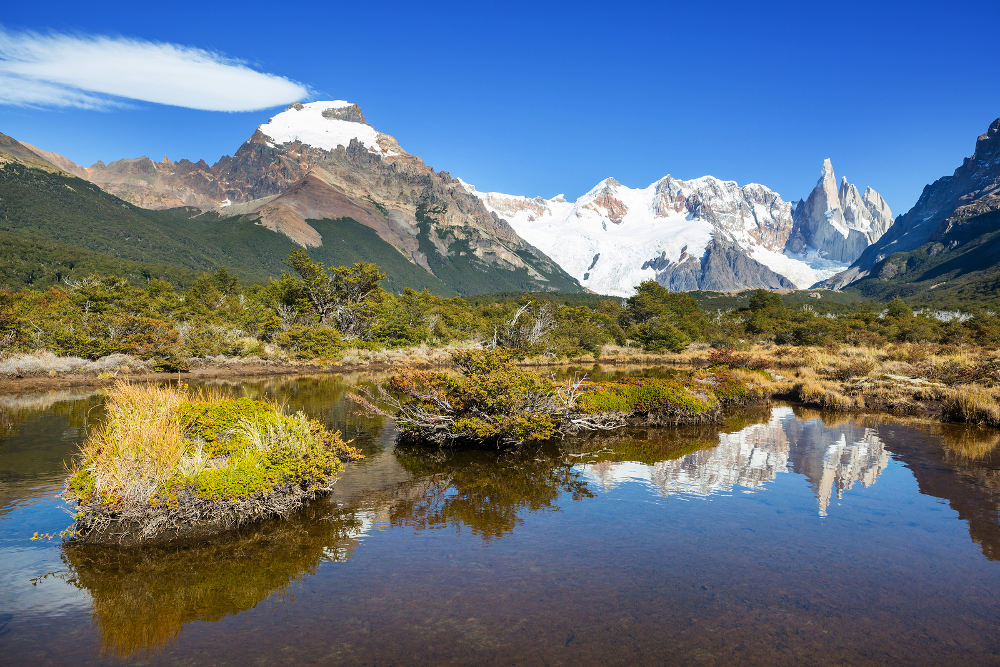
x: 101, y: 72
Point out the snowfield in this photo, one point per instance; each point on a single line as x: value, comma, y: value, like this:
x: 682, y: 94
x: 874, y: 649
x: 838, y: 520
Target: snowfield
x: 608, y: 238
x: 308, y: 125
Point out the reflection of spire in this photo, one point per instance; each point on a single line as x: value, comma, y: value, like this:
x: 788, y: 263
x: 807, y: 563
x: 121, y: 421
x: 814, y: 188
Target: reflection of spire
x: 748, y: 458
x: 832, y: 458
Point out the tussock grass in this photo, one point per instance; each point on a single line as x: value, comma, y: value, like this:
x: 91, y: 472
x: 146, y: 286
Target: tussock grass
x: 46, y: 363
x: 973, y: 404
x: 141, y: 443
x: 820, y: 395
x: 417, y: 355
x: 168, y: 458
x: 952, y: 383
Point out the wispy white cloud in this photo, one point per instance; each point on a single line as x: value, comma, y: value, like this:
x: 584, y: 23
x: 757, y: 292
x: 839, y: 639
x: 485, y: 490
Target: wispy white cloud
x: 57, y: 70
x: 18, y: 91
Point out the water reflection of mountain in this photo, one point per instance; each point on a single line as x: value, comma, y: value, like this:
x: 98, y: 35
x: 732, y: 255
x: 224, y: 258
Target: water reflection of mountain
x: 143, y: 598
x: 965, y: 472
x: 832, y: 458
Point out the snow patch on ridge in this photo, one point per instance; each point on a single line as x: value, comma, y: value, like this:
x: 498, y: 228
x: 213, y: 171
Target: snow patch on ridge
x: 573, y: 233
x: 306, y: 123
x: 803, y: 270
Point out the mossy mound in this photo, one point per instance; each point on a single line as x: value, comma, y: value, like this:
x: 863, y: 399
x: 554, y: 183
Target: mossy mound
x: 493, y: 401
x: 650, y: 400
x: 170, y: 463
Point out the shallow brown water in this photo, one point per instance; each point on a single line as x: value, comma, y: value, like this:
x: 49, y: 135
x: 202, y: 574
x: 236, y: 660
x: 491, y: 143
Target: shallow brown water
x: 784, y: 536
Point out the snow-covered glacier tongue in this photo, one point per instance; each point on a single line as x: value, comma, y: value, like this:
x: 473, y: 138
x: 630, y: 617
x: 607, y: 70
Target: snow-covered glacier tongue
x: 704, y: 233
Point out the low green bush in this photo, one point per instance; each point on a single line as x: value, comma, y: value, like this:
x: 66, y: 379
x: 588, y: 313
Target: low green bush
x: 311, y: 342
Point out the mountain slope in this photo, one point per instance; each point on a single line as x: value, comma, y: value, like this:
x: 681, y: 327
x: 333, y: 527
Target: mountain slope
x: 949, y: 213
x: 13, y: 151
x: 959, y: 264
x: 66, y: 223
x: 323, y: 160
x: 958, y: 272
x: 39, y: 264
x: 704, y: 233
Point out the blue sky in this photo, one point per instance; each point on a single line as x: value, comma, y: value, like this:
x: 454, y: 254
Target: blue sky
x: 532, y: 98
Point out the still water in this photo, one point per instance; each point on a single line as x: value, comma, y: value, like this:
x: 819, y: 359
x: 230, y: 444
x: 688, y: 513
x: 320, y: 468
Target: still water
x: 783, y: 536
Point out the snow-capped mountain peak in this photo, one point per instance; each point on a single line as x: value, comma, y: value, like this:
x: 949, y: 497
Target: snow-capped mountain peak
x: 702, y: 233
x: 614, y: 237
x: 327, y: 125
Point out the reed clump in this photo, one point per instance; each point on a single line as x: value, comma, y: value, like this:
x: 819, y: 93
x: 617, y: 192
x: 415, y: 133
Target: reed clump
x: 168, y: 460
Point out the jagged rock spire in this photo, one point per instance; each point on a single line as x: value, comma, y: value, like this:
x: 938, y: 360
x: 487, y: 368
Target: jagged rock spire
x: 839, y: 223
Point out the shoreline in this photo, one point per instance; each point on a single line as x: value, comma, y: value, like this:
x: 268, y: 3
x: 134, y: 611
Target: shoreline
x: 939, y: 384
x: 257, y: 368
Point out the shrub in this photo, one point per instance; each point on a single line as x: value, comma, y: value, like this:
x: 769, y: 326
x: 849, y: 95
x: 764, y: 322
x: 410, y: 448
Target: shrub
x: 762, y: 299
x: 101, y: 335
x: 311, y: 342
x: 645, y: 395
x: 492, y: 401
x: 659, y: 334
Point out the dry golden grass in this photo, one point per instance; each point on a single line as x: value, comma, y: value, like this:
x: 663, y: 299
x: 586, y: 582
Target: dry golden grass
x: 954, y: 383
x: 140, y: 442
x: 826, y: 396
x: 418, y: 355
x: 974, y: 404
x: 169, y: 459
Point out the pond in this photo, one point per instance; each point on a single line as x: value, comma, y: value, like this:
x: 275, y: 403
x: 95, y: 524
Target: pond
x: 782, y: 536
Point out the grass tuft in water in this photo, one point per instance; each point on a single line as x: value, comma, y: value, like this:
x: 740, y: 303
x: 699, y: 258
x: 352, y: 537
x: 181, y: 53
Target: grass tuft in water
x: 168, y: 458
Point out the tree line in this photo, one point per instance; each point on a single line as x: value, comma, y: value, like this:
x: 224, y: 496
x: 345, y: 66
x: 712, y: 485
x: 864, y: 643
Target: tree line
x: 314, y: 311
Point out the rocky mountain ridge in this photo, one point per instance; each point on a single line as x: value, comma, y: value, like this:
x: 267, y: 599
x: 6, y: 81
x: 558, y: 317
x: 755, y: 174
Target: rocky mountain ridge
x: 323, y: 161
x: 945, y: 213
x: 703, y: 233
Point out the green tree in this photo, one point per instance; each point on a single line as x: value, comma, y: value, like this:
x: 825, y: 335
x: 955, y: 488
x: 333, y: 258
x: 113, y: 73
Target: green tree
x: 898, y: 310
x: 762, y: 299
x: 318, y: 283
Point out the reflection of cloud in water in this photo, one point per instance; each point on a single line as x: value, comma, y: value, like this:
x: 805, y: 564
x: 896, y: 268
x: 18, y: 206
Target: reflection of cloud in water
x: 832, y: 458
x: 352, y: 536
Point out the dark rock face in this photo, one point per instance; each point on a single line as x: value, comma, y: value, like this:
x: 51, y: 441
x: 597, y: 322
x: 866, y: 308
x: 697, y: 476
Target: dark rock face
x: 724, y: 267
x: 350, y: 113
x: 944, y: 208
